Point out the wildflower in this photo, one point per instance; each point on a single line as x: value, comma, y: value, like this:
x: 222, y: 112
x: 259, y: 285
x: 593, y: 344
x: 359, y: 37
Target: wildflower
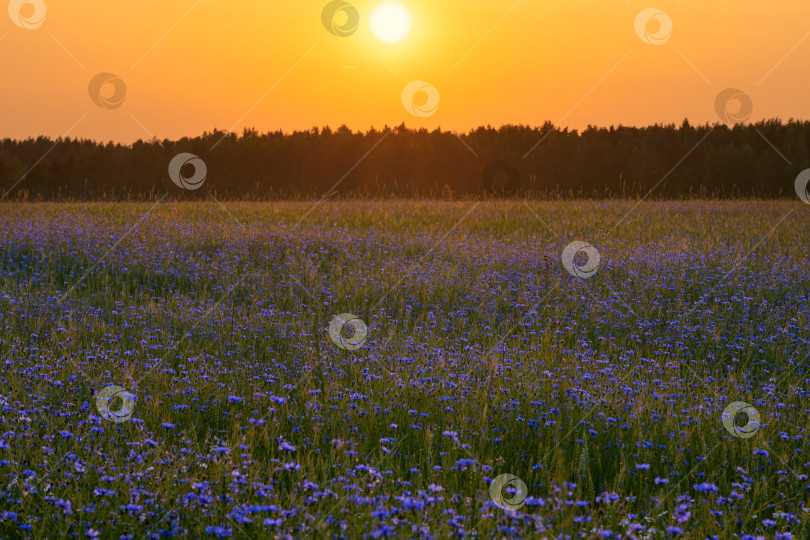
x: 607, y: 498
x: 219, y: 532
x: 65, y: 505
x: 463, y: 463
x: 286, y: 446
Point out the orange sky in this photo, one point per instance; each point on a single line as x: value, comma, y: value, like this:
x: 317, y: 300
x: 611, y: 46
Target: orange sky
x: 191, y: 66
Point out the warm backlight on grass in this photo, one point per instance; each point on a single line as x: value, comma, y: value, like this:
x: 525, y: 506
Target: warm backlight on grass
x: 390, y: 22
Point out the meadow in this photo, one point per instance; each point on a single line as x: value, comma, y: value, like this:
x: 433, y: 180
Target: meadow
x: 243, y: 417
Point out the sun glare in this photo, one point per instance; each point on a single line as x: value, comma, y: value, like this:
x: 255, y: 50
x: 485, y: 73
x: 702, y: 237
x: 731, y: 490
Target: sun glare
x: 390, y: 22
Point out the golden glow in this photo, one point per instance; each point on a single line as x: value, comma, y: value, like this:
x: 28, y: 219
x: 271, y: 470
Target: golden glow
x: 390, y: 22
x: 191, y: 67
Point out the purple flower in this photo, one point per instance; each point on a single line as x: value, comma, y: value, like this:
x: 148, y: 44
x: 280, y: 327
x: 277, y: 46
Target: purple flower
x: 463, y: 463
x: 65, y: 505
x: 607, y: 498
x: 219, y: 532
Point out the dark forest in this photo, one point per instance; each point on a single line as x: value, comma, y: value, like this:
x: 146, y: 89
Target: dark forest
x: 755, y: 160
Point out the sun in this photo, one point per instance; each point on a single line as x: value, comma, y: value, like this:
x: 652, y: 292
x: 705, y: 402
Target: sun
x: 390, y: 22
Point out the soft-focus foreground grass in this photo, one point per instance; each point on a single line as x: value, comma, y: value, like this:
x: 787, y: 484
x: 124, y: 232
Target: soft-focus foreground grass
x: 484, y: 356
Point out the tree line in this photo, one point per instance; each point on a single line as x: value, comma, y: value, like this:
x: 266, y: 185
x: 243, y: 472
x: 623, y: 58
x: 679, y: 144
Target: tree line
x: 752, y: 160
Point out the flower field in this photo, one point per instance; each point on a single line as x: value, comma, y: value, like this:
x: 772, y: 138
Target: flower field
x: 177, y: 369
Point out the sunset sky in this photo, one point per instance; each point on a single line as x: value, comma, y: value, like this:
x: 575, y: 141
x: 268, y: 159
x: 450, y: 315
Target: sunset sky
x: 191, y: 66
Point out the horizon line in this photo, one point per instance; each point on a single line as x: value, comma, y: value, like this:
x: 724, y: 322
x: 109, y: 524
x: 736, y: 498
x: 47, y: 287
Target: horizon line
x: 372, y: 129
